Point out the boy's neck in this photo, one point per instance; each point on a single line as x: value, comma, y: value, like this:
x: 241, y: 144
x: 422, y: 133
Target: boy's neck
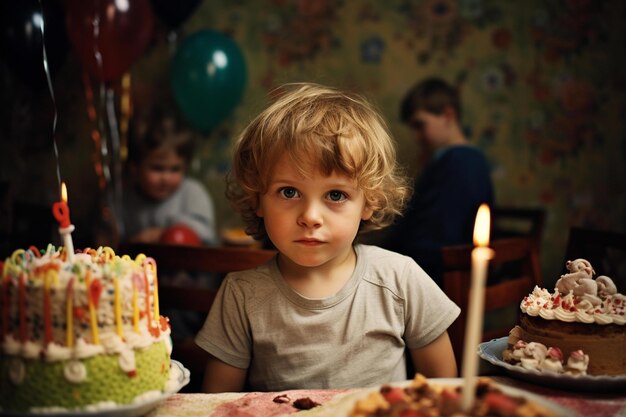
x: 320, y: 281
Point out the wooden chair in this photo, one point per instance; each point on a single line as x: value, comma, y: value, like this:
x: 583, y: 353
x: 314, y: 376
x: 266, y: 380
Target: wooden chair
x: 606, y: 250
x: 509, y: 221
x: 170, y: 258
x: 502, y: 298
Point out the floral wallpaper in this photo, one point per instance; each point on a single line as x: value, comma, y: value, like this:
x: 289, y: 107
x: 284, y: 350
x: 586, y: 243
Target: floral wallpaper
x: 541, y: 80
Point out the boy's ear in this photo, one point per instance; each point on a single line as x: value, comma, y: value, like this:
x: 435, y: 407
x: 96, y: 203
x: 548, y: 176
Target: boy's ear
x: 367, y: 213
x: 450, y: 113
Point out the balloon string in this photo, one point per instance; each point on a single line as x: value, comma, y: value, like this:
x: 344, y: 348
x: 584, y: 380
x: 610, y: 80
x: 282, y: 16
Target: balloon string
x: 46, y: 69
x: 116, y: 203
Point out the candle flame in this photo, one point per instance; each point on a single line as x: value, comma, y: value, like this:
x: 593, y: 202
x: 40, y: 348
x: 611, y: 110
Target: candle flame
x: 63, y: 192
x: 481, y: 227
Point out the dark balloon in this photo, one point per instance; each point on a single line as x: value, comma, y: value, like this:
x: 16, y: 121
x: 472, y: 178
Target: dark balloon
x: 174, y: 12
x: 21, y: 38
x: 124, y: 30
x: 208, y: 78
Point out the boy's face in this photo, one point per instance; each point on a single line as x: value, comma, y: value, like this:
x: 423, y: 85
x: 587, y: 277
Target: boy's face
x: 312, y: 221
x: 431, y: 130
x: 160, y: 174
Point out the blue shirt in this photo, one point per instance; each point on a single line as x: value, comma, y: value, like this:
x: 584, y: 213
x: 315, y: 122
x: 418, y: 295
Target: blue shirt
x: 443, y: 207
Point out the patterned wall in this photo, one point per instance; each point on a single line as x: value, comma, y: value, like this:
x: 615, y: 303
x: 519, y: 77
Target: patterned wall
x: 542, y: 85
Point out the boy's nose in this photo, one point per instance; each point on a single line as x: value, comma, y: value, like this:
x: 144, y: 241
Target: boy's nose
x: 310, y: 216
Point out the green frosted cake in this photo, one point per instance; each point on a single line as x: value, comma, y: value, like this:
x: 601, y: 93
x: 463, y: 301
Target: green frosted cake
x: 83, y: 333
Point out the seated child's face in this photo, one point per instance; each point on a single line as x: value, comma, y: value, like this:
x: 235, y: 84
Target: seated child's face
x: 312, y: 220
x: 160, y: 174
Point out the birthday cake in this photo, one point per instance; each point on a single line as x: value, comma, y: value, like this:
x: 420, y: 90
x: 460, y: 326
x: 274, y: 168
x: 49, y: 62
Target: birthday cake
x: 83, y: 333
x: 577, y: 329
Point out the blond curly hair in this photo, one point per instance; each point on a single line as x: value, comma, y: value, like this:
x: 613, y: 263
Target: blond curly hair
x: 336, y: 131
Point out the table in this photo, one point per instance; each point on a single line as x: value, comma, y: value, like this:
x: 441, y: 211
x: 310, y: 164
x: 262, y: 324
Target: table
x: 262, y: 404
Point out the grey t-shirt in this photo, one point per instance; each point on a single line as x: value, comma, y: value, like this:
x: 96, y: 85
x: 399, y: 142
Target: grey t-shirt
x: 355, y: 338
x: 190, y: 204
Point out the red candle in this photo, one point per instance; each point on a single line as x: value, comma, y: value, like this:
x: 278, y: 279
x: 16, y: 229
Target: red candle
x: 22, y: 308
x: 61, y: 210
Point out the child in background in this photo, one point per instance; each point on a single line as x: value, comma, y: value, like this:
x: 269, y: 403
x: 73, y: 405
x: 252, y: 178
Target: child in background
x: 311, y: 172
x: 159, y: 194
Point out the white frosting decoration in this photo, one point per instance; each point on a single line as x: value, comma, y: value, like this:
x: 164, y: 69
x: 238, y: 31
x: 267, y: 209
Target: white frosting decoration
x: 11, y: 345
x: 578, y: 298
x: 30, y: 350
x: 173, y: 383
x: 101, y: 406
x: 85, y: 350
x: 535, y: 356
x: 112, y: 343
x: 75, y: 371
x: 139, y: 340
x: 17, y: 371
x: 55, y: 352
x: 147, y: 396
x: 127, y: 360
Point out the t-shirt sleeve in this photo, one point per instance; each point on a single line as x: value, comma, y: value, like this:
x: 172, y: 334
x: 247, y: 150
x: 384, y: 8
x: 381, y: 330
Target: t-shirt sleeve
x: 226, y: 331
x: 198, y: 212
x: 428, y: 310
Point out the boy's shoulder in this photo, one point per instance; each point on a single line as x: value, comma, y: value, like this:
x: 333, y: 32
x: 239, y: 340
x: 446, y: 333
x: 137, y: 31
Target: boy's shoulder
x: 383, y: 263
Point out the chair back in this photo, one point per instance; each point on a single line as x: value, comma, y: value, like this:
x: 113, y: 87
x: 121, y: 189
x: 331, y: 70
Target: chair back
x: 519, y: 257
x: 605, y: 250
x: 193, y: 299
x: 509, y: 221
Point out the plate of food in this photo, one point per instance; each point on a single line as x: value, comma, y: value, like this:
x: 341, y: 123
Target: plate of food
x: 492, y: 352
x: 439, y: 396
x: 179, y: 377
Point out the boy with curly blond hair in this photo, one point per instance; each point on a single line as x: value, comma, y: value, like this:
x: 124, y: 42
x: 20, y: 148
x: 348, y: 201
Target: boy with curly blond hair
x: 312, y: 171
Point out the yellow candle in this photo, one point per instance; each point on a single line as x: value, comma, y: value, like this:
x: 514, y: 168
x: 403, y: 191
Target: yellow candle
x: 473, y: 329
x: 117, y: 308
x: 92, y: 311
x: 151, y: 264
x: 135, y: 309
x: 69, y: 313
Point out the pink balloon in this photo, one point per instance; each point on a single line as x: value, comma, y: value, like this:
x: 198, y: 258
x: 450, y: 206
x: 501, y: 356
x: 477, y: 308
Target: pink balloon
x: 123, y: 31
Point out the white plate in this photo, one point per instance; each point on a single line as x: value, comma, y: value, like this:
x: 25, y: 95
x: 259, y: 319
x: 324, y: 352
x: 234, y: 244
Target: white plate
x: 492, y: 352
x: 130, y: 410
x: 342, y: 404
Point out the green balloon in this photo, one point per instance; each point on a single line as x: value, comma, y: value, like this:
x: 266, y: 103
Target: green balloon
x: 208, y: 78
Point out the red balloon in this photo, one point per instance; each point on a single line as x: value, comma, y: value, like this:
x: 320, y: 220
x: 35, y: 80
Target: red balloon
x: 180, y: 234
x: 119, y: 30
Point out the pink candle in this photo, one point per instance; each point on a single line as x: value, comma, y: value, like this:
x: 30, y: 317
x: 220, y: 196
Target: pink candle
x: 473, y: 329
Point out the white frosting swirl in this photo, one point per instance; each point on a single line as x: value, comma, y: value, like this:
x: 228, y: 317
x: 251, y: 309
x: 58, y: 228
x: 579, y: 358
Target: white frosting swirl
x: 75, y: 371
x: 17, y: 371
x: 127, y: 361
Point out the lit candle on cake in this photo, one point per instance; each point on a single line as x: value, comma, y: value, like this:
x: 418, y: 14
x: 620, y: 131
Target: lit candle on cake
x: 61, y: 212
x: 481, y: 255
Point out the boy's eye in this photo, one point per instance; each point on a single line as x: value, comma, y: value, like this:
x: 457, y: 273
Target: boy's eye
x: 336, y: 195
x: 288, y: 192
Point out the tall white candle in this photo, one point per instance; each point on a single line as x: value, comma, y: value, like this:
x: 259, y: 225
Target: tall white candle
x: 481, y: 255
